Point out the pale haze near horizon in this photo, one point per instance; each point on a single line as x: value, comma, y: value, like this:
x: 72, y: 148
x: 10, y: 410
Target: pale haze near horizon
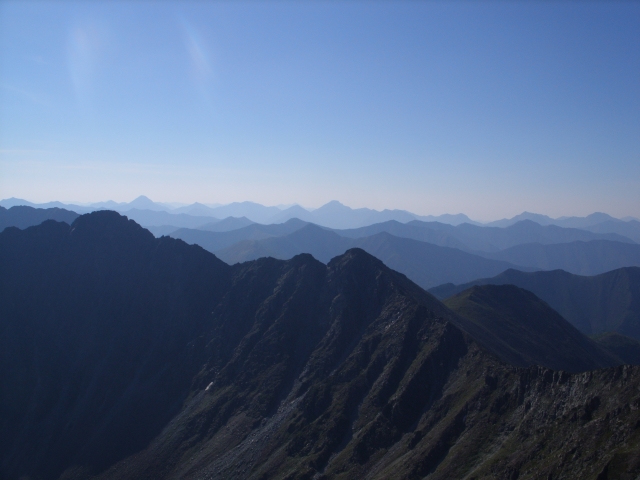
x: 488, y: 109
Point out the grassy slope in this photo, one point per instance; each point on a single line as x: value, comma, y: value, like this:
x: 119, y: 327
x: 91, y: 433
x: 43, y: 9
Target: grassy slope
x: 525, y: 331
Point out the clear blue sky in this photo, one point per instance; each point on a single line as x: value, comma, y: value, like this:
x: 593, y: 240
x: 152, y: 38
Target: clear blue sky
x: 483, y: 108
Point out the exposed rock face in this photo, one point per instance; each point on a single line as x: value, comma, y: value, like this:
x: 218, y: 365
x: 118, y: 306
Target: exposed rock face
x: 125, y: 356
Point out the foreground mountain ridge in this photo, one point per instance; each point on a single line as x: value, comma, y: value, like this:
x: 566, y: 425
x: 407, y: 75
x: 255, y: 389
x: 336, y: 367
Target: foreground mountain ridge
x: 126, y: 356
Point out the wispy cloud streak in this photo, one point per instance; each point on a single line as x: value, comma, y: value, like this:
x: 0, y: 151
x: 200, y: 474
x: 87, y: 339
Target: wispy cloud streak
x: 83, y: 47
x: 200, y: 59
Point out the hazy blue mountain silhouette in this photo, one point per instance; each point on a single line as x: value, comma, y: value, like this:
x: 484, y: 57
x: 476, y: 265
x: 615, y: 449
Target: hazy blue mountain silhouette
x: 534, y: 217
x: 253, y: 211
x: 525, y: 331
x: 629, y: 229
x: 127, y: 356
x: 144, y: 203
x: 148, y: 218
x: 456, y: 219
x: 336, y: 215
x: 196, y: 209
x: 566, y: 222
x: 295, y: 211
x: 23, y: 216
x: 15, y: 202
x: 426, y: 264
x: 216, y: 241
x: 609, y: 302
x: 331, y: 215
x: 472, y: 238
x: 582, y: 258
x: 227, y: 224
x: 584, y: 222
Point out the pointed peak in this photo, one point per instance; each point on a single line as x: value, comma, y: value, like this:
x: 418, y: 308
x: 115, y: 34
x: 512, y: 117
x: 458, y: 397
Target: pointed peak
x: 355, y: 257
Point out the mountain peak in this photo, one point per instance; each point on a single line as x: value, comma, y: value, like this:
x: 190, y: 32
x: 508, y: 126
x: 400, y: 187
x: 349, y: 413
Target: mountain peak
x: 107, y: 224
x: 356, y: 257
x: 142, y: 198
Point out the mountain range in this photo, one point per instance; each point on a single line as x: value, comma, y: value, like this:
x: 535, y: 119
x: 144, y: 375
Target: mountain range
x: 609, y: 302
x: 129, y: 356
x: 473, y: 238
x: 332, y: 215
x: 424, y: 263
x: 23, y: 217
x: 430, y: 253
x: 582, y: 258
x: 567, y: 222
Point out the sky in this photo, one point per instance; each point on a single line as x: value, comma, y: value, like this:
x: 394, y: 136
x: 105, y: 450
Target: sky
x: 485, y: 108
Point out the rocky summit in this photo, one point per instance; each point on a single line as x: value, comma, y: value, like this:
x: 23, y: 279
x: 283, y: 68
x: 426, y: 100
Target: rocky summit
x: 125, y: 356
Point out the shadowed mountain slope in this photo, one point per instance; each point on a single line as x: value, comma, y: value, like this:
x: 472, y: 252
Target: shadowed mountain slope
x: 525, y: 331
x: 23, y: 217
x: 625, y: 348
x: 581, y: 258
x: 426, y: 264
x: 127, y: 356
x: 609, y: 302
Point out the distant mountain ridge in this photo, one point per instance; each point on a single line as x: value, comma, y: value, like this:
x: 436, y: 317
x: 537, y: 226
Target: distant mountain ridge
x: 567, y: 222
x: 578, y: 257
x: 333, y: 214
x: 609, y: 302
x: 23, y: 216
x: 425, y: 264
x: 336, y: 215
x: 473, y: 238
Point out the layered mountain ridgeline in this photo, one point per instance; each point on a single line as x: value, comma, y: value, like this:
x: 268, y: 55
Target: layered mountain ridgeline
x: 333, y: 214
x: 582, y: 258
x: 525, y: 331
x: 23, y: 217
x: 609, y: 302
x: 474, y: 238
x: 214, y: 241
x: 413, y: 248
x: 126, y: 356
x: 595, y: 218
x: 470, y: 238
x: 227, y: 224
x: 424, y: 263
x: 152, y: 218
x: 629, y: 229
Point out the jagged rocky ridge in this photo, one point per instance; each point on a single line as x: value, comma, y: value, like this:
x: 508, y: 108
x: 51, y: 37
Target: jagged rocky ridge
x: 125, y: 356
